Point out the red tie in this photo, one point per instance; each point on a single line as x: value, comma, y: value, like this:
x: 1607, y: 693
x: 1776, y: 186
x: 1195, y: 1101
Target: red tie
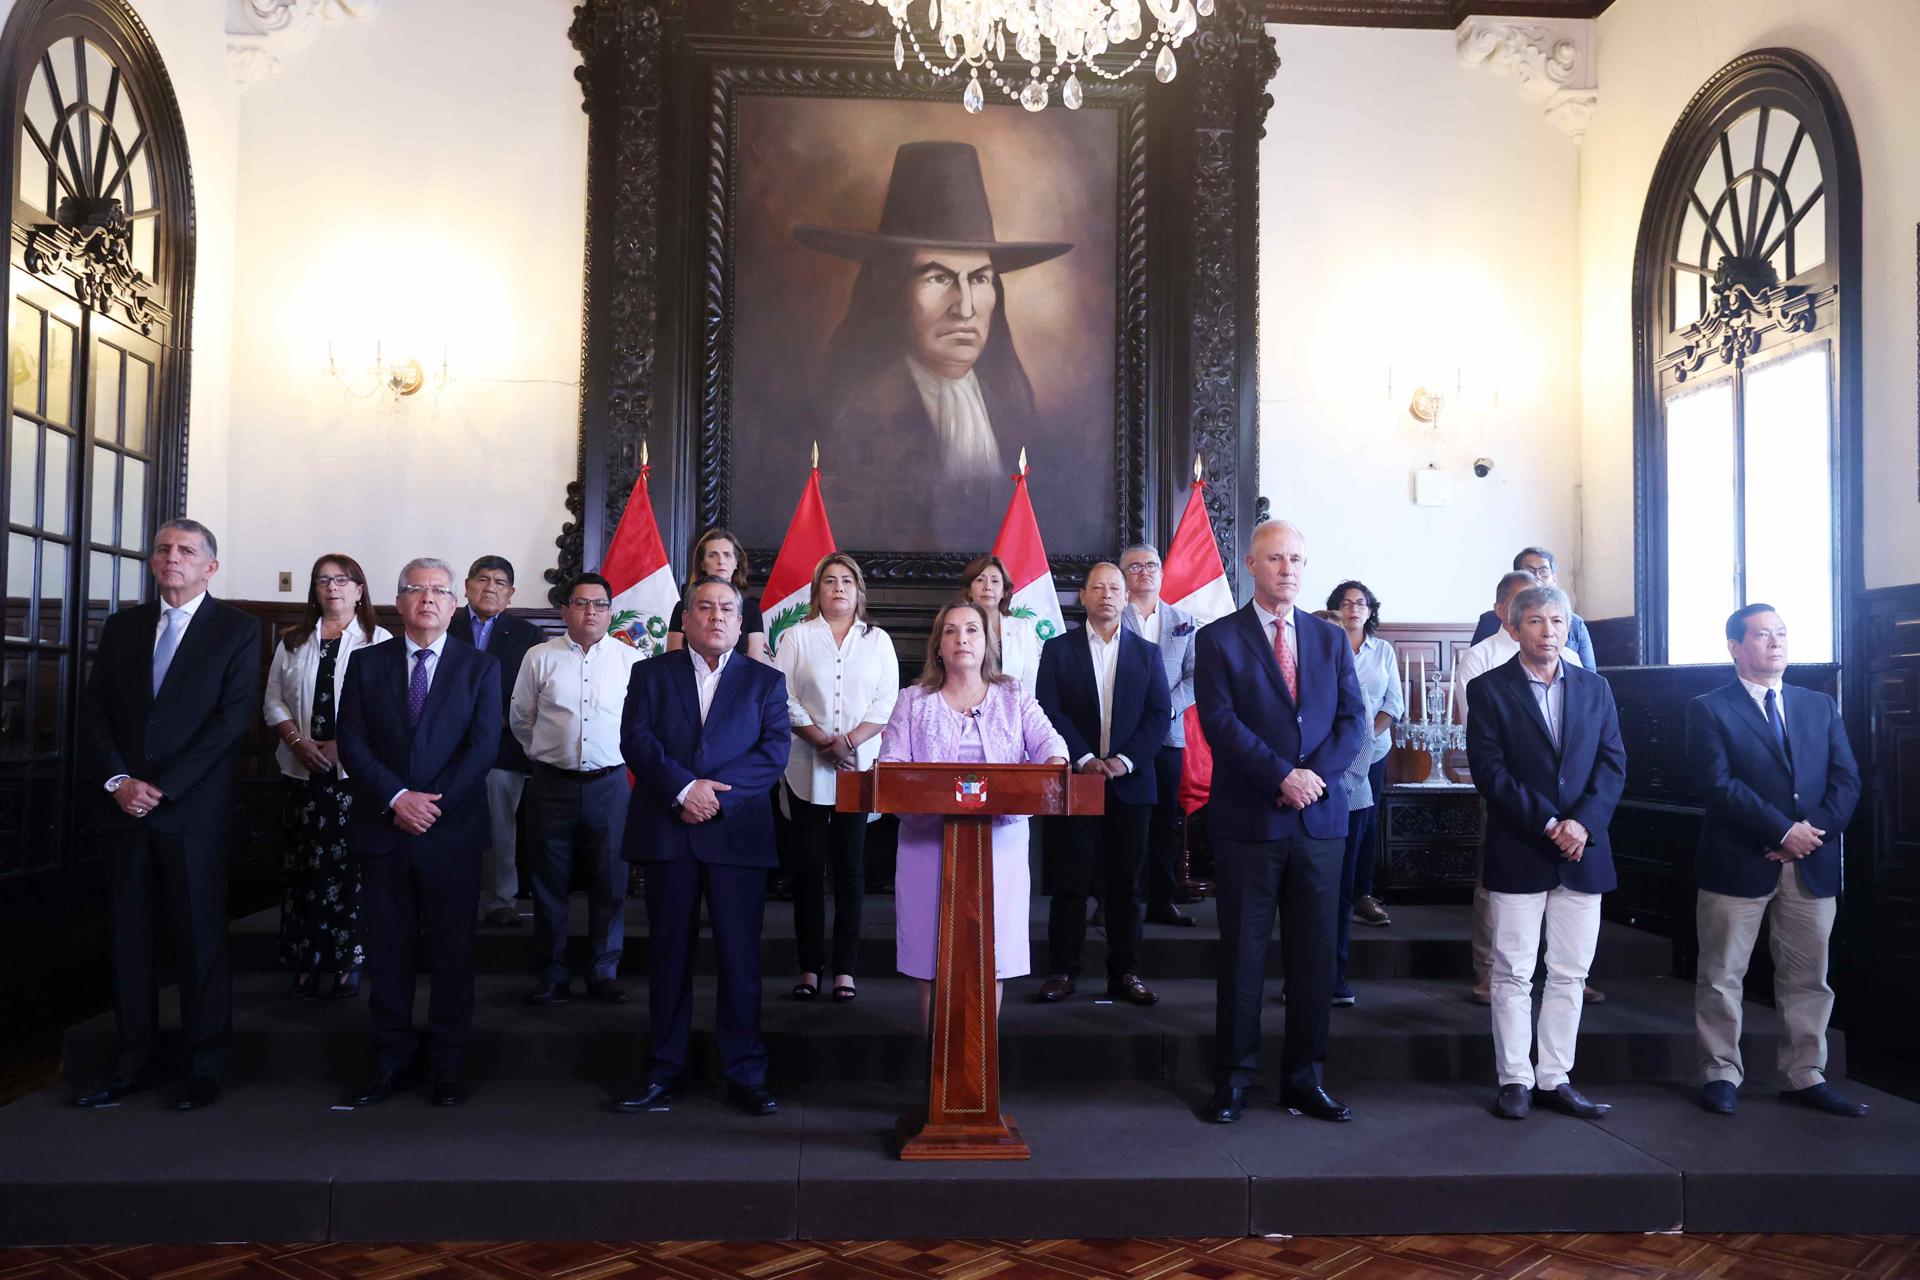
x: 1283, y: 654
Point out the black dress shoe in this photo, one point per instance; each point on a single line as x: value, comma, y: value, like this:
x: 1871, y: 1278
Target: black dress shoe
x: 1172, y: 916
x: 105, y: 1095
x: 1718, y: 1097
x: 197, y: 1093
x: 503, y: 918
x: 384, y: 1085
x: 548, y: 993
x: 302, y: 988
x: 652, y: 1097
x: 1514, y: 1103
x: 1570, y: 1100
x: 1315, y: 1102
x: 450, y: 1092
x: 1055, y: 989
x: 1227, y: 1105
x: 1821, y: 1097
x: 606, y: 991
x: 1129, y: 988
x: 752, y: 1099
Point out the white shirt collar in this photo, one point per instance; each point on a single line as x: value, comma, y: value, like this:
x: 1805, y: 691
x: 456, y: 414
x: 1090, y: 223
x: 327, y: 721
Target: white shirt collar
x: 958, y: 412
x: 1758, y: 689
x: 1093, y: 636
x: 1268, y: 619
x: 190, y: 608
x: 436, y: 648
x: 700, y: 666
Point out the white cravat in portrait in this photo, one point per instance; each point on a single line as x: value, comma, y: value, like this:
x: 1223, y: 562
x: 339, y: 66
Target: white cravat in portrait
x: 968, y: 448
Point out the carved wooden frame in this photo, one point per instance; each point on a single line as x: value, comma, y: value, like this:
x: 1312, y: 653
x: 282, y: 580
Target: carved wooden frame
x: 660, y: 79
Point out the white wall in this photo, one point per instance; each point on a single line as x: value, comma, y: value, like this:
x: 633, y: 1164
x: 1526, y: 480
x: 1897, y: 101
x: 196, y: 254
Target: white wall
x: 418, y: 178
x: 1653, y: 56
x: 1418, y: 224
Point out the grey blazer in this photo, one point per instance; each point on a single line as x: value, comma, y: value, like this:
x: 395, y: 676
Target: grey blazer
x: 1176, y: 652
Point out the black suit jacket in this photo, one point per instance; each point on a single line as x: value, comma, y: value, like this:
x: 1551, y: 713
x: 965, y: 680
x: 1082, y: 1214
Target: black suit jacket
x: 448, y: 752
x: 185, y: 739
x: 1754, y: 793
x: 1142, y: 705
x: 508, y: 642
x: 1526, y: 781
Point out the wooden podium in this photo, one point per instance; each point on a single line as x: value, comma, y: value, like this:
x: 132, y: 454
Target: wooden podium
x: 962, y: 1120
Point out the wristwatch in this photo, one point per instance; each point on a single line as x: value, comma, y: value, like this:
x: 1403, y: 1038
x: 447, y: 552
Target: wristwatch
x: 113, y: 783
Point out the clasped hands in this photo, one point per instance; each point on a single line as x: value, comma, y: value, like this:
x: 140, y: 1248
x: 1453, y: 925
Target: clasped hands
x: 1801, y: 839
x: 317, y: 757
x: 136, y: 798
x: 702, y: 801
x: 1111, y: 767
x: 415, y: 811
x: 1299, y: 789
x: 838, y: 751
x: 1570, y: 838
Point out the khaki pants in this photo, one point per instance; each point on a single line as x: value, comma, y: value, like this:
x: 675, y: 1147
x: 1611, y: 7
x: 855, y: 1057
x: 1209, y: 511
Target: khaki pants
x: 1801, y: 925
x: 499, y: 876
x: 1570, y: 922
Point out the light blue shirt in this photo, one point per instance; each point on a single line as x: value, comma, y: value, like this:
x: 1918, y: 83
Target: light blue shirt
x: 1551, y: 698
x: 1380, y: 689
x: 482, y: 629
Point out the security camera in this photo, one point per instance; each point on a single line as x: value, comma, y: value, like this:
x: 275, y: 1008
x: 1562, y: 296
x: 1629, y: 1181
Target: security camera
x: 1482, y: 467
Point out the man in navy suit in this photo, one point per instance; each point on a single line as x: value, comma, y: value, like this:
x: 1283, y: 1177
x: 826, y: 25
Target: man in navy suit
x: 1105, y: 690
x: 1780, y: 784
x: 1543, y: 741
x: 419, y: 728
x: 174, y: 685
x: 706, y: 735
x: 1282, y: 710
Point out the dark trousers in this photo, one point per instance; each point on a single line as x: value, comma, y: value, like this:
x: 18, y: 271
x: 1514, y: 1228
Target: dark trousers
x: 405, y: 892
x: 824, y: 839
x: 576, y: 822
x: 181, y: 879
x: 1356, y: 870
x: 1299, y: 879
x: 1163, y: 832
x: 736, y: 905
x: 1105, y: 851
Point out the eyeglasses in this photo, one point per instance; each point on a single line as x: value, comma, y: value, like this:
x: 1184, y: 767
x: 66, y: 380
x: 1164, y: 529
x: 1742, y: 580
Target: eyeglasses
x: 591, y: 606
x: 1141, y: 568
x: 1353, y: 604
x: 333, y: 580
x: 414, y: 589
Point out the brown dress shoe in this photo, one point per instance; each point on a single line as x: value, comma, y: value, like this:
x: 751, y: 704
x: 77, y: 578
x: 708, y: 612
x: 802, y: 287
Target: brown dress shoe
x: 1592, y: 995
x: 1367, y: 910
x: 1055, y: 989
x: 1129, y: 988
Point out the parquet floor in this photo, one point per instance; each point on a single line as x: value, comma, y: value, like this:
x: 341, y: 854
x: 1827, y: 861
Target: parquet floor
x: 1538, y: 1257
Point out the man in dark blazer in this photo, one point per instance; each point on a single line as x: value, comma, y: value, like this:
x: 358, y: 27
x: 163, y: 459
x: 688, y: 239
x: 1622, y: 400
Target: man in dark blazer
x: 1170, y: 628
x: 1105, y: 690
x: 487, y: 626
x: 1543, y: 742
x: 1283, y: 714
x: 1780, y: 783
x: 175, y: 683
x: 419, y: 728
x: 706, y: 735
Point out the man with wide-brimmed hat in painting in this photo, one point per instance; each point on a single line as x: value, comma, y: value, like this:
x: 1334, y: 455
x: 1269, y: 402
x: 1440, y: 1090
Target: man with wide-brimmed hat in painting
x: 922, y: 376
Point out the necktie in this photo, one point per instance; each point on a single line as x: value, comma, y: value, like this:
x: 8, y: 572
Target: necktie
x: 170, y: 629
x: 417, y: 686
x: 1774, y: 722
x: 1283, y: 653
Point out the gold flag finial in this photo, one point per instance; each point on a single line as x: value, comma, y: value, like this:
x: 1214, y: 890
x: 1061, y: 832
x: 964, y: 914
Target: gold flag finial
x: 1023, y: 459
x: 816, y: 455
x: 643, y: 453
x: 1199, y: 471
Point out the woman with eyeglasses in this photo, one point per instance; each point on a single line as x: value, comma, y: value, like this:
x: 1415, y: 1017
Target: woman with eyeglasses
x: 718, y: 554
x: 320, y: 925
x: 1357, y: 610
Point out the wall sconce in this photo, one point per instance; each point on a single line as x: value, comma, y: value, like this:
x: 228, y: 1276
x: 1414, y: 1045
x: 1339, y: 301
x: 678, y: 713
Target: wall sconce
x: 395, y: 381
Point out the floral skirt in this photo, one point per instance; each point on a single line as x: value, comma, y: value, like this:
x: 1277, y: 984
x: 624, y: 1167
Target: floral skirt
x: 320, y: 918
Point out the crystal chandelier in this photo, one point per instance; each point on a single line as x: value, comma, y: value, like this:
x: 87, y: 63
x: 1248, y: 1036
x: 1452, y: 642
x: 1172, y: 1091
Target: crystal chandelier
x: 1053, y: 37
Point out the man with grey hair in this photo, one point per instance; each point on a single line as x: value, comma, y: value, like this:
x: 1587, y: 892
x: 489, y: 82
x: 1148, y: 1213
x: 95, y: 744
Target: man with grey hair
x: 1171, y: 628
x: 419, y: 728
x: 1544, y: 744
x: 173, y: 688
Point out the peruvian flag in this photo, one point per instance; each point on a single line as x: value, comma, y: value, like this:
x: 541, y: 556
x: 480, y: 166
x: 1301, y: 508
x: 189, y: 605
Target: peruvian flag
x: 1019, y: 547
x: 1194, y: 578
x: 644, y: 591
x: 790, y: 585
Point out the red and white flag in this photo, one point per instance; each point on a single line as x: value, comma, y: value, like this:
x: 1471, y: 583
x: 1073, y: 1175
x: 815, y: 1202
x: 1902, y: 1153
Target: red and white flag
x: 1194, y: 579
x: 1019, y: 547
x: 644, y: 591
x: 809, y: 539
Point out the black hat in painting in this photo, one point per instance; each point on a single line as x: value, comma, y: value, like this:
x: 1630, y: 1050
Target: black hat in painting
x: 935, y: 198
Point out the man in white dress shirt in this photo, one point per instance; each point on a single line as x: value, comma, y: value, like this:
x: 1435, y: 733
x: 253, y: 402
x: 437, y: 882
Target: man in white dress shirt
x: 566, y: 714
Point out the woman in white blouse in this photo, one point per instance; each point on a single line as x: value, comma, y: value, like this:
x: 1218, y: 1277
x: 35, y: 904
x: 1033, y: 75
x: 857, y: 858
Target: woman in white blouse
x: 842, y: 679
x: 320, y: 924
x: 1016, y: 643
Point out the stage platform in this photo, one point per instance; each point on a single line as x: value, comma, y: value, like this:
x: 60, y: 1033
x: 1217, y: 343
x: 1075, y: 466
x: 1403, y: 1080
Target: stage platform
x: 1107, y: 1096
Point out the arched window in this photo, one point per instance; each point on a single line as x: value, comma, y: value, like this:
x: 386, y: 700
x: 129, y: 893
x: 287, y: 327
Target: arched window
x: 1746, y: 297
x: 98, y: 283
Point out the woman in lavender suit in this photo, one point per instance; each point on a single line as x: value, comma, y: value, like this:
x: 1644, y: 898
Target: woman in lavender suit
x: 963, y: 710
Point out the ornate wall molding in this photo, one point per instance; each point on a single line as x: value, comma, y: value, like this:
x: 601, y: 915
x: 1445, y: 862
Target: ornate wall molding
x: 261, y: 34
x: 98, y: 258
x: 1550, y: 63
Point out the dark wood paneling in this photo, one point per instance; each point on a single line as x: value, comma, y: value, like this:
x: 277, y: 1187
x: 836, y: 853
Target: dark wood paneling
x: 1616, y: 641
x: 1443, y: 15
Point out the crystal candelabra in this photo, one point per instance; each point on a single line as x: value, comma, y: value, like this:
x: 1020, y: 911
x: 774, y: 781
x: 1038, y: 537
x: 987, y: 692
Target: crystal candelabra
x: 1435, y: 734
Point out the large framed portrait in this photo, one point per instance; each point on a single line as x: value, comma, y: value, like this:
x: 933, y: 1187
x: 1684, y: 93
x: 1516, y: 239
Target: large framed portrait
x: 926, y: 293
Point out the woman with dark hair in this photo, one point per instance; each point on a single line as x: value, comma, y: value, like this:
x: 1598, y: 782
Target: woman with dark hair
x: 842, y: 680
x: 1357, y: 610
x: 964, y: 711
x: 1016, y: 643
x: 320, y: 927
x: 718, y: 554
